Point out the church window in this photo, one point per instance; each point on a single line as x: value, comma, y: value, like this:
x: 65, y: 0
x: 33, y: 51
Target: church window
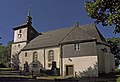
x: 19, y: 35
x: 20, y: 31
x: 51, y: 55
x: 104, y: 50
x: 35, y: 56
x: 18, y: 45
x: 25, y: 54
x: 77, y: 46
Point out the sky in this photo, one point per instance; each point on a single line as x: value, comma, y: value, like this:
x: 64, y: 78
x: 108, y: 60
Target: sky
x: 47, y: 15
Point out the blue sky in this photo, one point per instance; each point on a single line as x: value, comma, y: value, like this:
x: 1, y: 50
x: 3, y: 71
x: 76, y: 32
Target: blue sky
x: 46, y: 14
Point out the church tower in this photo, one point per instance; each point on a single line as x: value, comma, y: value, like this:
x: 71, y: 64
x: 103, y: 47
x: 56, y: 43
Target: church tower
x: 22, y: 35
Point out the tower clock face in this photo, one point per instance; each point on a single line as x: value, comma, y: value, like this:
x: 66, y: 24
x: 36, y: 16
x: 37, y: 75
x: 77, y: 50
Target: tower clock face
x: 19, y: 35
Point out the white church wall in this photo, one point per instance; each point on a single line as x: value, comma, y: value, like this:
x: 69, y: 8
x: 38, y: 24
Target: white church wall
x: 41, y: 54
x: 16, y: 48
x: 105, y: 59
x: 29, y: 57
x: 85, y: 66
x: 22, y: 37
x: 109, y: 63
x: 56, y: 57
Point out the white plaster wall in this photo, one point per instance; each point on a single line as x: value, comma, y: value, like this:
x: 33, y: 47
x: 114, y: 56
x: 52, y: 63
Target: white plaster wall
x: 105, y: 60
x: 15, y: 52
x: 112, y: 59
x: 29, y: 57
x: 83, y: 66
x: 24, y: 35
x: 109, y: 63
x: 16, y: 48
x: 56, y: 56
x: 41, y: 58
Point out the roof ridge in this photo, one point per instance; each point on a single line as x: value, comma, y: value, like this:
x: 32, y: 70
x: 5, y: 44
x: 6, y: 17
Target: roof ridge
x: 79, y: 27
x: 82, y: 27
x: 88, y: 24
x: 85, y: 31
x: 67, y: 34
x: 56, y: 29
x: 98, y: 32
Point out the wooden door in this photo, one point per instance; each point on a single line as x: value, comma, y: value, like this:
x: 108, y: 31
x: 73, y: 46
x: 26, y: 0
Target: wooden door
x: 69, y: 70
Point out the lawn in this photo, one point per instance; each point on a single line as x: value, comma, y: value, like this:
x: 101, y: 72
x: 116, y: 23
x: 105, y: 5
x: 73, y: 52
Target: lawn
x: 51, y: 77
x: 118, y: 79
x: 6, y: 69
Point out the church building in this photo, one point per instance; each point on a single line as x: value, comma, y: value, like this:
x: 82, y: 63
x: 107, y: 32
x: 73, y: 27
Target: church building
x: 76, y: 50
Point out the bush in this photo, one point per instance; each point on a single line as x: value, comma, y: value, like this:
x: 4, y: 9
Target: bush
x: 2, y: 65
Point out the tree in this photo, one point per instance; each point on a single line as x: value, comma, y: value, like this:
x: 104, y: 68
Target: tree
x: 5, y: 54
x: 115, y: 49
x: 106, y: 12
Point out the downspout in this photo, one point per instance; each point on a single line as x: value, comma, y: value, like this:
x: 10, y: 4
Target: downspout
x: 44, y: 58
x: 61, y: 53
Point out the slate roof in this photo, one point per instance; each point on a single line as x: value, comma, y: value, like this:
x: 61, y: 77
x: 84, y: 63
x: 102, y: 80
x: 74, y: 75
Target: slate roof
x: 54, y: 37
x: 20, y: 26
x: 24, y: 26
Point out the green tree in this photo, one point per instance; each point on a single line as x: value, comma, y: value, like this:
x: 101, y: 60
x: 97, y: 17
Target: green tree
x: 106, y: 12
x: 5, y: 54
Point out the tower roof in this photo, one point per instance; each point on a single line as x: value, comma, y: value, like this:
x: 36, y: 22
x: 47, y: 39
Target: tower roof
x: 29, y: 18
x: 28, y: 22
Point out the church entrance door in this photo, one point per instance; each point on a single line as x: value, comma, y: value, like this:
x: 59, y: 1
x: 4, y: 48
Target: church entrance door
x: 69, y: 70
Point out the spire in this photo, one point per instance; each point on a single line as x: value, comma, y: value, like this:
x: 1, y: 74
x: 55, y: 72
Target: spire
x: 29, y: 18
x: 29, y: 11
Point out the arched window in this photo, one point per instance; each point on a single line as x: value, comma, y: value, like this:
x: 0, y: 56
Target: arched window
x: 51, y: 55
x: 35, y: 56
x: 104, y: 50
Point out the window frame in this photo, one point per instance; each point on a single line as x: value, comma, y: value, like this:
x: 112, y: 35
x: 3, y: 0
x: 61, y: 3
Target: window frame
x: 19, y: 35
x: 51, y: 55
x: 104, y: 50
x: 25, y: 54
x: 35, y: 56
x: 77, y: 46
x: 20, y: 31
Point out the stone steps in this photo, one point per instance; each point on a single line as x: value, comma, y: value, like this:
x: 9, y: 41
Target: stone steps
x: 9, y: 72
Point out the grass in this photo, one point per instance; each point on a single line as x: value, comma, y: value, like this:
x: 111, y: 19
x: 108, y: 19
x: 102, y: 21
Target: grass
x: 52, y: 77
x: 6, y: 69
x: 16, y: 76
x: 118, y: 79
